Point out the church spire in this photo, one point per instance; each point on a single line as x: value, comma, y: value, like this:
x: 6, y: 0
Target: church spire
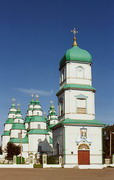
x: 74, y: 31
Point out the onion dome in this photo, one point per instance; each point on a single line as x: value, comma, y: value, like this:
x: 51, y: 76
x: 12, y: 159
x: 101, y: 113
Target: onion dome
x: 76, y: 54
x: 52, y: 118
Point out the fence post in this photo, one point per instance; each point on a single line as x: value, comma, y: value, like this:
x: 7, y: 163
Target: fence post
x: 44, y: 159
x: 14, y: 159
x: 60, y: 160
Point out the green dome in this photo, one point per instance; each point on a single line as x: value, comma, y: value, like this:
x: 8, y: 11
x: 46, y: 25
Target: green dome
x: 76, y: 54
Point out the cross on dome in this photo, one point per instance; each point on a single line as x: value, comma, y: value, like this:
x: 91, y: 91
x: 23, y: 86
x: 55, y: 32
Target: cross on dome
x: 19, y: 105
x: 74, y: 31
x: 32, y: 95
x: 37, y: 97
x: 13, y: 99
x: 51, y: 102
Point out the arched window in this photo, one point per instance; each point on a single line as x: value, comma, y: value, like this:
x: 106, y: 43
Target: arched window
x: 61, y: 106
x: 79, y: 72
x: 62, y: 75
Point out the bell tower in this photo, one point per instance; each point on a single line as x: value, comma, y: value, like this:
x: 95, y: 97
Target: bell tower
x: 76, y: 94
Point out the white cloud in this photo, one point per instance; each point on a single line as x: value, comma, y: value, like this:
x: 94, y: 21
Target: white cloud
x: 35, y: 91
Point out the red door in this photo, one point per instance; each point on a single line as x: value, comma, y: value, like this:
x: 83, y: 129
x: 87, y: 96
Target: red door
x: 83, y: 157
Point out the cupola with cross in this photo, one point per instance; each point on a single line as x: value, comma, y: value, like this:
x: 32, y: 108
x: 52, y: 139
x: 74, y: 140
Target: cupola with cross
x: 52, y: 117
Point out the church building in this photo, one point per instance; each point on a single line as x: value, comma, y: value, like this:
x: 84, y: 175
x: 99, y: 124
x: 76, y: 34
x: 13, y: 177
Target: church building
x: 74, y: 134
x: 78, y: 135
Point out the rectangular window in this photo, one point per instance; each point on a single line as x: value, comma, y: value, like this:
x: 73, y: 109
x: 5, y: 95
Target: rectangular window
x: 81, y: 106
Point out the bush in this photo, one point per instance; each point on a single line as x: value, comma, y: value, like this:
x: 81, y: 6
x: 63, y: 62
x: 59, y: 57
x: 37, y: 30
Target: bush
x: 53, y: 160
x: 37, y: 166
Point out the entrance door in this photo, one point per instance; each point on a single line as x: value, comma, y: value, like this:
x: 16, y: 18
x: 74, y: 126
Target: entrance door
x: 83, y: 157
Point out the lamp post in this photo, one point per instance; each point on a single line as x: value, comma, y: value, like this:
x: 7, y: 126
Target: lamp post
x: 111, y: 142
x: 21, y: 144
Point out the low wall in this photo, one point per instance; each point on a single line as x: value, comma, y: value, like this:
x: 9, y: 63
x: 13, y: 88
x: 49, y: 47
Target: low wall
x: 51, y: 165
x: 16, y: 165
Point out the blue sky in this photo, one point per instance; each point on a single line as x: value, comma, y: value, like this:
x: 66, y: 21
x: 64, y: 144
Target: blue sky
x: 35, y: 34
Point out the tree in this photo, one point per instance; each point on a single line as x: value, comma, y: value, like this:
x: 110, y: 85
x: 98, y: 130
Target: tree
x: 106, y: 141
x: 0, y: 150
x: 12, y: 150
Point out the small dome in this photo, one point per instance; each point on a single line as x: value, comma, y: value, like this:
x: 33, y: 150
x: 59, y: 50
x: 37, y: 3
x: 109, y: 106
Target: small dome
x: 76, y: 54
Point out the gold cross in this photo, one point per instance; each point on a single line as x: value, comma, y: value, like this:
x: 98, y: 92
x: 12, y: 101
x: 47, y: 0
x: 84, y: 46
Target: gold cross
x: 74, y: 31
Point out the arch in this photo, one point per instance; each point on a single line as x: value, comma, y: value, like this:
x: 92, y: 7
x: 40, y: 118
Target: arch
x: 83, y: 147
x: 79, y: 72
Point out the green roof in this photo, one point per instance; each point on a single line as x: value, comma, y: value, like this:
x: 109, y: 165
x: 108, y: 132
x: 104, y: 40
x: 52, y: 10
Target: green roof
x: 12, y: 112
x: 13, y: 106
x: 76, y: 86
x: 37, y: 131
x: 76, y: 54
x: 18, y: 117
x: 37, y: 119
x: 80, y: 122
x: 6, y: 133
x: 54, y: 118
x: 9, y: 121
x: 27, y: 119
x: 18, y: 126
x: 18, y: 111
x: 34, y: 109
x: 19, y: 140
x: 50, y: 126
x: 33, y: 102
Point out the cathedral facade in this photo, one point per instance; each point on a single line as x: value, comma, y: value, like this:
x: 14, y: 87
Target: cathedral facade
x: 74, y: 134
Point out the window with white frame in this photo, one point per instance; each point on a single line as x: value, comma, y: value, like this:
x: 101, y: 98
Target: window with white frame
x: 81, y: 106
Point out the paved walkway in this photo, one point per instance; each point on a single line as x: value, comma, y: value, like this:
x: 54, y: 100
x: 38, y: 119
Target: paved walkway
x: 56, y: 174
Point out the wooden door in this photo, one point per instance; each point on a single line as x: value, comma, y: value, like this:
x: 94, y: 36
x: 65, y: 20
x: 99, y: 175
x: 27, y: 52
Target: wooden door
x: 83, y: 157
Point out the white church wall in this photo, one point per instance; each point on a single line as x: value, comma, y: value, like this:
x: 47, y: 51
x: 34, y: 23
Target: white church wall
x: 29, y: 113
x: 71, y: 145
x: 73, y: 77
x: 36, y: 112
x: 37, y: 125
x: 7, y: 127
x: 71, y: 105
x: 11, y: 116
x: 34, y: 141
x: 5, y: 140
x: 15, y: 133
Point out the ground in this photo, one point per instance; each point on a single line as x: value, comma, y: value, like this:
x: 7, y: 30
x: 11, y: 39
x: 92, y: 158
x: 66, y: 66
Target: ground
x: 56, y: 174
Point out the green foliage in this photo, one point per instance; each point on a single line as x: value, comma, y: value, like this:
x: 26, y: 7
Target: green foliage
x: 53, y: 160
x: 106, y: 141
x: 18, y: 160
x: 38, y: 166
x: 12, y: 150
